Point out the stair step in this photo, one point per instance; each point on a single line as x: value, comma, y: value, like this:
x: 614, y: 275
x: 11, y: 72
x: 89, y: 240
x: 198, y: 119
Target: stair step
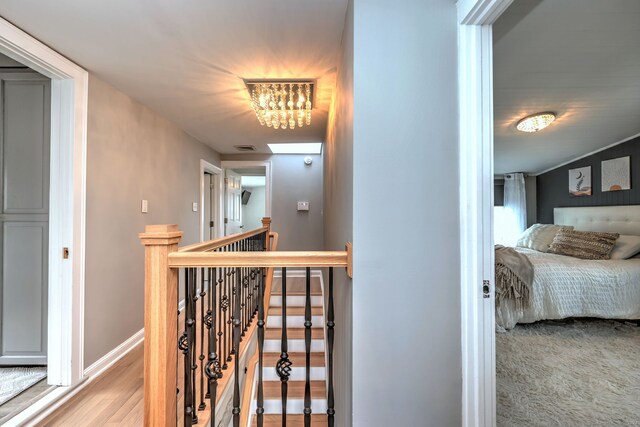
x: 298, y: 359
x: 295, y: 321
x: 295, y: 311
x: 295, y: 300
x: 275, y: 420
x: 293, y: 333
x: 295, y: 390
x: 296, y: 293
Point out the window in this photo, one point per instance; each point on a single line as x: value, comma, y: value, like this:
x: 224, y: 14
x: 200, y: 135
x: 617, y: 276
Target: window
x: 505, y: 226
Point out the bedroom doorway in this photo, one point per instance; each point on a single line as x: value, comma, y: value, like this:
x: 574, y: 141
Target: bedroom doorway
x: 480, y: 28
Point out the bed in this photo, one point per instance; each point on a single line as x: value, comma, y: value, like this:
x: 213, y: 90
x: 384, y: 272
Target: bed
x: 565, y: 286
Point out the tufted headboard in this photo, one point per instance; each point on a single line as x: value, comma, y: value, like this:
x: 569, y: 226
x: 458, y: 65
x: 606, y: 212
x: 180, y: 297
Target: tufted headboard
x: 615, y: 219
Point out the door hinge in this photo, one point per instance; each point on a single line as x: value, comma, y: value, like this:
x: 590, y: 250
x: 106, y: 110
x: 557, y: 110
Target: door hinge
x: 212, y: 186
x: 226, y: 181
x: 210, y: 223
x: 486, y: 289
x: 226, y: 220
x: 65, y: 253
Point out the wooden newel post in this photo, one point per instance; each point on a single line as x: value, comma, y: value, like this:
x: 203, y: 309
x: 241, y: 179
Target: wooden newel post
x: 160, y: 325
x: 266, y: 222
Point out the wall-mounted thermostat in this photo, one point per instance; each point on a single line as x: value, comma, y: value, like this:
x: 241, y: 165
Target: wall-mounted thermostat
x: 303, y: 206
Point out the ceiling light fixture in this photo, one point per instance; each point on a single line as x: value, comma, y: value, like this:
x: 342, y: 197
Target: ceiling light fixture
x: 536, y: 122
x: 280, y: 104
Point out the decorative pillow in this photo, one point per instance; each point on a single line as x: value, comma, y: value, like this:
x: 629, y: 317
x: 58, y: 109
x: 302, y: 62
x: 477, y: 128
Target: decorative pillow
x: 625, y: 247
x: 583, y: 244
x: 540, y: 236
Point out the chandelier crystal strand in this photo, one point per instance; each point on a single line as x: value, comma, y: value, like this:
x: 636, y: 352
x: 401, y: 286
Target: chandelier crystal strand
x: 281, y: 104
x: 308, y: 103
x: 292, y: 122
x: 300, y: 103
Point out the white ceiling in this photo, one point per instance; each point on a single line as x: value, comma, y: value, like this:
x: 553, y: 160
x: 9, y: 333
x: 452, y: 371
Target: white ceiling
x: 186, y: 60
x: 578, y: 58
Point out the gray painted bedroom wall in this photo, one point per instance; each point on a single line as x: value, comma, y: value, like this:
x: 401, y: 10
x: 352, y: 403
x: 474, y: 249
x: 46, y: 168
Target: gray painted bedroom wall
x: 338, y: 216
x: 553, y: 186
x: 132, y: 154
x: 293, y: 181
x: 406, y: 285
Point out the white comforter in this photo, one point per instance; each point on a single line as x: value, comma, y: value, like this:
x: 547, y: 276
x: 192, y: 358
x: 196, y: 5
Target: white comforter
x: 570, y: 287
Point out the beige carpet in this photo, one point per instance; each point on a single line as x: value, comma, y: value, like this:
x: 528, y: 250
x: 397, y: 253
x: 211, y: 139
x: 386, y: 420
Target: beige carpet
x: 569, y: 373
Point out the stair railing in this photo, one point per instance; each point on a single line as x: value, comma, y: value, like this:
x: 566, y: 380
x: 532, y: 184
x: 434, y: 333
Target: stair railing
x: 231, y: 279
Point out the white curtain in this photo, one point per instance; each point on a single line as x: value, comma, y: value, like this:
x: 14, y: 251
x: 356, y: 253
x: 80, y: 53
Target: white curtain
x: 515, y: 200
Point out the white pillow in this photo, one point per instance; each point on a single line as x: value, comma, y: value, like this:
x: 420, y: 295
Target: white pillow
x: 539, y: 236
x: 625, y: 247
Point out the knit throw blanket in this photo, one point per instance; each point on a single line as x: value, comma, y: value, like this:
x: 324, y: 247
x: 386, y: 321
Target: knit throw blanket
x: 514, y: 277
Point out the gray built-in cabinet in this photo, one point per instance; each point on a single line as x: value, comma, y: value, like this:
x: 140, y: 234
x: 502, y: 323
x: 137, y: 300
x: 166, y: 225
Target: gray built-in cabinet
x: 24, y: 216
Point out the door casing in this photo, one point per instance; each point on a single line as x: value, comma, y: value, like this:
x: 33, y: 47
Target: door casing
x: 67, y: 195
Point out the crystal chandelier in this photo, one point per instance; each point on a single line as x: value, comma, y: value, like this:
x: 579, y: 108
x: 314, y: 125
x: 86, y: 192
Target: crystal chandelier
x: 536, y: 122
x: 279, y: 104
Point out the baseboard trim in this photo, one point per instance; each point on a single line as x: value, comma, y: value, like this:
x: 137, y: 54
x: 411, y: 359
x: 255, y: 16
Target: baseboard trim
x: 52, y: 401
x: 106, y: 361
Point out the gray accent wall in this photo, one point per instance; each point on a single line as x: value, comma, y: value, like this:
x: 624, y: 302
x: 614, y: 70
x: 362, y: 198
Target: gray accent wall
x: 132, y: 154
x: 406, y: 283
x: 293, y: 182
x: 553, y: 186
x: 338, y: 217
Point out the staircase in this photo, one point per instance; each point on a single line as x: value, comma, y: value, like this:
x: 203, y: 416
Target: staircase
x: 295, y: 303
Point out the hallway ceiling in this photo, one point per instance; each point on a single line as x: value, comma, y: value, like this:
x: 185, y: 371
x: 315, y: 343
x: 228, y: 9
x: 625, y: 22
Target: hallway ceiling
x: 578, y: 58
x: 186, y: 60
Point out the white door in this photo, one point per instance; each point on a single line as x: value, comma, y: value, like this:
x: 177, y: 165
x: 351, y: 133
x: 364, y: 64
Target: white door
x: 208, y: 207
x: 24, y: 217
x: 233, y: 211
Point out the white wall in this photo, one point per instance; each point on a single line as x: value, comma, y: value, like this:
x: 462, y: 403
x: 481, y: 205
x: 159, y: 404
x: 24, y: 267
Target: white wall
x: 406, y: 285
x: 132, y: 154
x: 293, y: 181
x: 338, y: 216
x: 253, y: 211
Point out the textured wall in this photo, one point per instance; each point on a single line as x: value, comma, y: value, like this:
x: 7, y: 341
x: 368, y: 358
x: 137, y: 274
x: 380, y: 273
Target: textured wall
x: 338, y: 217
x: 406, y: 279
x: 293, y: 181
x: 553, y: 186
x: 132, y: 154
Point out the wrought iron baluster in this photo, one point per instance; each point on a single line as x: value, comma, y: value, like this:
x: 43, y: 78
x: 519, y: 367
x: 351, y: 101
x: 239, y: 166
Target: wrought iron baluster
x: 212, y: 369
x: 203, y: 324
x: 260, y: 403
x: 193, y: 341
x: 330, y: 324
x: 307, y: 347
x: 185, y: 345
x: 283, y: 367
x: 236, y: 346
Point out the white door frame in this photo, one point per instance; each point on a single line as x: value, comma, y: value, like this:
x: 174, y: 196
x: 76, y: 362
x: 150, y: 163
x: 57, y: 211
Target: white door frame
x: 475, y: 83
x: 240, y: 164
x: 219, y: 182
x: 69, y: 87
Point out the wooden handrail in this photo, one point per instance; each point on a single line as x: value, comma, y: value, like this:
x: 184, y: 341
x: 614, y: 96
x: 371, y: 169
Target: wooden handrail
x: 222, y: 241
x: 259, y: 259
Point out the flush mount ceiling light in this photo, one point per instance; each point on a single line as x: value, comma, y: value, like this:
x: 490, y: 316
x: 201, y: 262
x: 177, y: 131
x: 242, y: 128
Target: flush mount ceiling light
x: 279, y: 104
x: 536, y: 122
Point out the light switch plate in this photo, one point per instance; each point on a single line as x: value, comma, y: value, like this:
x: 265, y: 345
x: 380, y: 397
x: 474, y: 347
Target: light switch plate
x: 194, y: 207
x: 145, y: 206
x: 303, y: 206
